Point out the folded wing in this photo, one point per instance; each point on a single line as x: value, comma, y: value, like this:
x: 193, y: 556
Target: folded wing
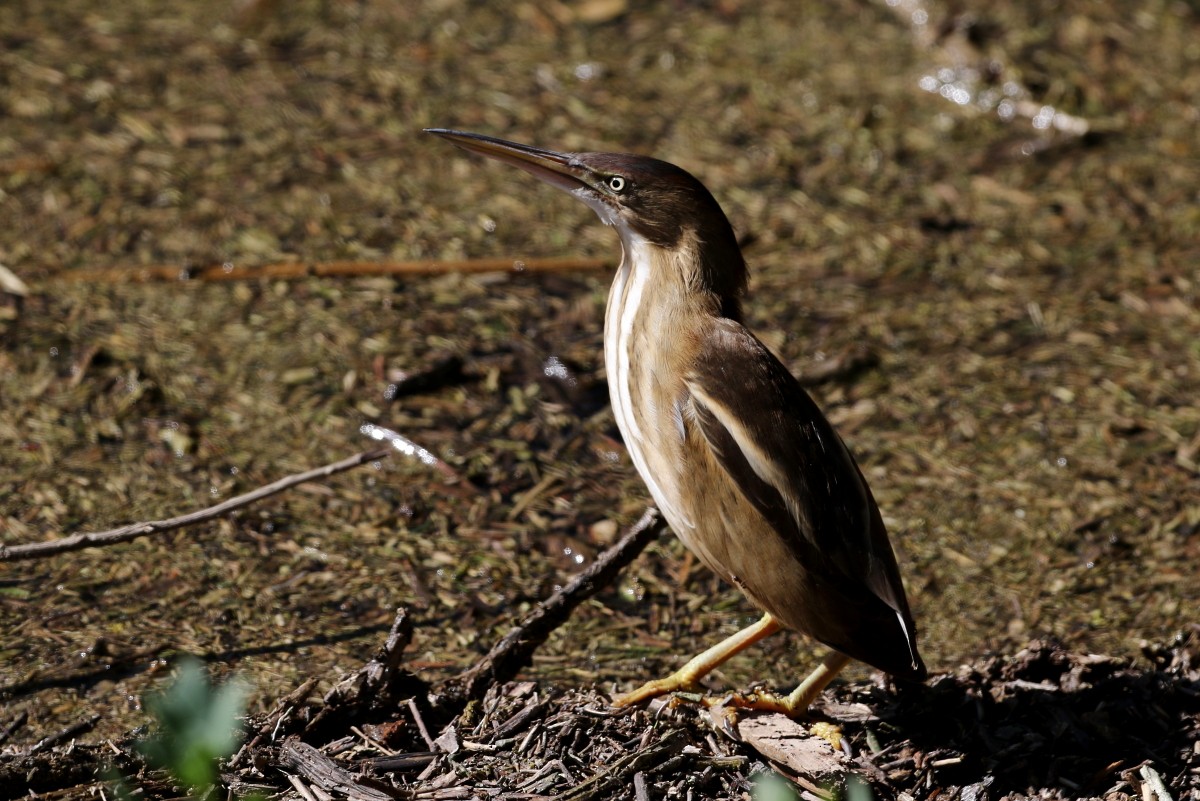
x: 790, y: 464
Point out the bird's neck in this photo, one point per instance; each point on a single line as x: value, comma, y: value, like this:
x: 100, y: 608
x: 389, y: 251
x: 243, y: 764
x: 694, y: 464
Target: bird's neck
x: 691, y: 277
x: 658, y: 309
x: 649, y: 332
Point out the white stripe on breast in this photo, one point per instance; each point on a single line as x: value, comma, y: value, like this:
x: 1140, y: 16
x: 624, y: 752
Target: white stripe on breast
x: 639, y: 269
x: 612, y: 344
x: 624, y: 300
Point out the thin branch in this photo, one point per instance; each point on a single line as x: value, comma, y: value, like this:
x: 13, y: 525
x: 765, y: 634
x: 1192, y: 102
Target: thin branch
x: 79, y: 727
x: 377, y: 685
x: 20, y: 720
x: 77, y: 542
x: 291, y: 270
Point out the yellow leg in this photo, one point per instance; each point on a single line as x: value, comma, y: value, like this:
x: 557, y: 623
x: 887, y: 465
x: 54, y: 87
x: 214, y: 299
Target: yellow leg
x: 703, y: 664
x: 800, y: 698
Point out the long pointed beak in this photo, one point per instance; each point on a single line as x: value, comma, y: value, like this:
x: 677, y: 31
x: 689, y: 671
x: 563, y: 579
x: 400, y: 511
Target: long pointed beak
x: 557, y: 169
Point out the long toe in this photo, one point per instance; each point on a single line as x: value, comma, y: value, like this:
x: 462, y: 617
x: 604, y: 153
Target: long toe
x: 676, y: 682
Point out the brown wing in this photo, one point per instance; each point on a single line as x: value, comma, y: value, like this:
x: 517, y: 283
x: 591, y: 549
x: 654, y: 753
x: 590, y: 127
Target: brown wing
x: 788, y: 461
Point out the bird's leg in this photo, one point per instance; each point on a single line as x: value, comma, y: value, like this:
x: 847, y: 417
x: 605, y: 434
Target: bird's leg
x: 701, y: 665
x: 796, y: 702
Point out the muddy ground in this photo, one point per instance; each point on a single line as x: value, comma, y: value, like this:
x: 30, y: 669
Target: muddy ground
x: 988, y: 216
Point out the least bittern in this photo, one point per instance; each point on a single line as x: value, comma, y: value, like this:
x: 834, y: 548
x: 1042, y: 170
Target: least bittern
x: 739, y: 459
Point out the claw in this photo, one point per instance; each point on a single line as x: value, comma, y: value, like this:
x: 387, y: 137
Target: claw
x: 829, y: 732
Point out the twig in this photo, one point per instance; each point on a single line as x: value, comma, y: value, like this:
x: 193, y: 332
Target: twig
x: 1153, y: 789
x: 292, y: 270
x: 77, y: 542
x: 302, y: 789
x: 13, y: 725
x: 375, y: 684
x: 51, y: 740
x: 515, y: 650
x: 407, y: 447
x: 416, y: 713
x: 639, y: 787
x: 401, y: 762
x: 518, y: 721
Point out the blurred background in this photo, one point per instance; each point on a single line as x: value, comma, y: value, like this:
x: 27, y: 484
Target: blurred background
x: 974, y: 227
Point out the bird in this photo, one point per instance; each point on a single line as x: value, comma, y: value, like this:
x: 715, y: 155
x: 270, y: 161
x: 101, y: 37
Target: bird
x: 739, y: 459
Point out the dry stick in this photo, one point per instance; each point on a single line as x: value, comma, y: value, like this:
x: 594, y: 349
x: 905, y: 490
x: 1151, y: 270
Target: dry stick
x: 416, y: 715
x: 639, y: 787
x: 77, y: 542
x: 292, y: 270
x: 515, y: 651
x: 323, y: 772
x: 51, y: 740
x: 371, y: 684
x: 302, y: 788
x: 14, y: 724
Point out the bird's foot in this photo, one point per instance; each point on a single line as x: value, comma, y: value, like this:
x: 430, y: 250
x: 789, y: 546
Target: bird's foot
x: 702, y: 664
x: 768, y: 702
x: 798, y: 701
x: 676, y: 682
x: 788, y: 706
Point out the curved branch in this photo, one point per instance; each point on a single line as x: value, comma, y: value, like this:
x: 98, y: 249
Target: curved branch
x: 98, y: 539
x: 299, y: 269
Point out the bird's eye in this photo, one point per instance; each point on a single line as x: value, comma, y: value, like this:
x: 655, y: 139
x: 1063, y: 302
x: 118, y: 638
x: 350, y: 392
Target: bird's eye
x: 616, y: 183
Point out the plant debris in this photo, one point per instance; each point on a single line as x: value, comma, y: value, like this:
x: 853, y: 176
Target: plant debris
x: 1045, y: 723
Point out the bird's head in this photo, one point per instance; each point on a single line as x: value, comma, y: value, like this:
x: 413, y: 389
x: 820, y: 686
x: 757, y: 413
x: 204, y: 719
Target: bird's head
x: 645, y: 199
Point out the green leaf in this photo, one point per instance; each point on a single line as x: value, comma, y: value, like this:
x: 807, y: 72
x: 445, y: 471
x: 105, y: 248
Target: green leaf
x: 773, y: 787
x: 197, y: 725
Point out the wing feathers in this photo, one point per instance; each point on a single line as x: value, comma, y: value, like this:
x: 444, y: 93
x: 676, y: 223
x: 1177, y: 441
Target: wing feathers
x: 778, y: 446
x: 792, y: 466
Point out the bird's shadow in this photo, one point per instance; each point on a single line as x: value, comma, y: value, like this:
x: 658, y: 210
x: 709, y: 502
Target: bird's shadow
x: 1049, y: 719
